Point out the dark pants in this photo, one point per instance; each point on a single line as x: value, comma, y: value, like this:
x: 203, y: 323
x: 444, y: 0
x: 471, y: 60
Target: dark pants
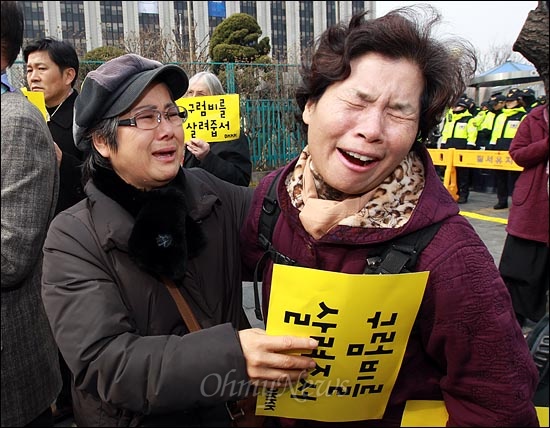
x: 64, y: 399
x: 505, y: 181
x: 463, y: 178
x: 45, y: 419
x: 524, y: 268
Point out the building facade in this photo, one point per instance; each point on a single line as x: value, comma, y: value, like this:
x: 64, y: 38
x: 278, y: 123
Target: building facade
x: 290, y: 25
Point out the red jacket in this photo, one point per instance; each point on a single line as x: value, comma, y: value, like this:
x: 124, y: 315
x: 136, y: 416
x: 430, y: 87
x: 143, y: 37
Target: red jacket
x: 528, y: 218
x: 466, y: 347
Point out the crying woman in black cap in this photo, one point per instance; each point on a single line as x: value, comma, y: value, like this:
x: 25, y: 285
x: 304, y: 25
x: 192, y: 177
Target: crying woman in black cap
x: 147, y: 224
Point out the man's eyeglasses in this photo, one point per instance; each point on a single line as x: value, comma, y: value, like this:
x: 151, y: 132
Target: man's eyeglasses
x: 150, y: 119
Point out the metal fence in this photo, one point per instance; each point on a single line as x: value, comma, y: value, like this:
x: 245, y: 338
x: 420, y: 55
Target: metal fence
x: 268, y: 109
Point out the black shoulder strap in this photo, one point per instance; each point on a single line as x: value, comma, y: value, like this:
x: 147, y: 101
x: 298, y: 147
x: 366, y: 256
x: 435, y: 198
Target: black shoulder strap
x: 401, y: 256
x: 268, y: 218
x: 269, y: 215
x: 403, y: 252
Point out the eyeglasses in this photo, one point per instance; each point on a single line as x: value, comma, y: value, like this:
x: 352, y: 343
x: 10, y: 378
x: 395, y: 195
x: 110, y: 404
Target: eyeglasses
x: 150, y: 119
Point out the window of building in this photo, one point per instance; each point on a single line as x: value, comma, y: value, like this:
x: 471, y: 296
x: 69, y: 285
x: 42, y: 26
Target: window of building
x: 149, y: 23
x: 216, y: 14
x: 72, y: 25
x: 182, y: 11
x: 34, y: 21
x: 213, y: 22
x: 332, y: 13
x: 112, y: 25
x: 249, y: 7
x: 306, y: 25
x: 278, y: 31
x: 357, y: 6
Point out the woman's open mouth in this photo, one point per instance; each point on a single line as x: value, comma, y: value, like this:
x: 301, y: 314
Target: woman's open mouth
x: 356, y: 158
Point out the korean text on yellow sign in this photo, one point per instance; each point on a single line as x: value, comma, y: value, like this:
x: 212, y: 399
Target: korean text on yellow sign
x: 362, y: 323
x: 213, y: 118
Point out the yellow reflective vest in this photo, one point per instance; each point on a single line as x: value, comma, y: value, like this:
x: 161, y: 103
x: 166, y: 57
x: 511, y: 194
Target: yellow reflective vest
x: 505, y: 128
x: 459, y: 131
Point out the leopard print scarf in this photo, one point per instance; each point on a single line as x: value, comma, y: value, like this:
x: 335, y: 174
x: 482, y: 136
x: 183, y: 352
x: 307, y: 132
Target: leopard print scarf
x: 390, y: 205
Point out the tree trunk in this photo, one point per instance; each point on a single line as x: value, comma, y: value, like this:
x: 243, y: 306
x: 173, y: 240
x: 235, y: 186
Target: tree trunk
x: 532, y: 41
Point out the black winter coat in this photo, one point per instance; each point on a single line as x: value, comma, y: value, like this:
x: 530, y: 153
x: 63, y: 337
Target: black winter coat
x: 117, y: 326
x: 60, y: 124
x: 229, y: 161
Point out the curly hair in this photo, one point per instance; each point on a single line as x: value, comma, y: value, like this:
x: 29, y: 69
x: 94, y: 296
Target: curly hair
x: 446, y: 65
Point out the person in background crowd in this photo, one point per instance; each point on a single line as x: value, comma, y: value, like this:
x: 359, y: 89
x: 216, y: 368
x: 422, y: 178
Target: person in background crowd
x: 460, y: 132
x: 30, y: 180
x: 472, y: 108
x: 147, y: 221
x: 524, y: 260
x: 371, y: 92
x: 477, y: 175
x: 504, y: 129
x: 485, y: 129
x: 497, y: 102
x: 228, y: 160
x: 484, y: 108
x: 52, y: 68
x: 541, y: 100
x: 528, y: 99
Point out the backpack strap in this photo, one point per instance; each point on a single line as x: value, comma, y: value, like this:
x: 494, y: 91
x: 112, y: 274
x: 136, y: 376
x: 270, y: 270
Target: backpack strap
x: 268, y: 218
x: 403, y: 252
x: 401, y: 255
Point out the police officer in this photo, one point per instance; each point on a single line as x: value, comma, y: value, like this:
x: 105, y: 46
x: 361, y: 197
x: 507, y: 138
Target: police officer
x: 460, y: 132
x: 504, y: 130
x: 528, y: 99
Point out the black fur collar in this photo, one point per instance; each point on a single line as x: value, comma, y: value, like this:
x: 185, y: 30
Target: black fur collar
x: 164, y: 237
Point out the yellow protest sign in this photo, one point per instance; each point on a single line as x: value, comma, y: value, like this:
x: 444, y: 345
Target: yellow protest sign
x: 362, y: 323
x: 37, y: 98
x: 212, y: 118
x: 433, y: 413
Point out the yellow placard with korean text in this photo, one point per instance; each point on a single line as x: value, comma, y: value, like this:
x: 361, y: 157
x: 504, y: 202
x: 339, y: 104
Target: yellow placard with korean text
x: 213, y: 118
x: 37, y: 98
x: 362, y: 323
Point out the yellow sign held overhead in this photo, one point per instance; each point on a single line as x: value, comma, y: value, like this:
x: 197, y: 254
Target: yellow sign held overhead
x: 213, y: 118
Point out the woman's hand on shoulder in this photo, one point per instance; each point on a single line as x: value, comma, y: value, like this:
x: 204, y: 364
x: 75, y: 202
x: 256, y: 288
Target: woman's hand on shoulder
x: 274, y: 361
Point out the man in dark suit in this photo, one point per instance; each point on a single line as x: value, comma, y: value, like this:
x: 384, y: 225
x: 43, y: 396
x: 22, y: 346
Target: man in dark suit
x: 52, y: 68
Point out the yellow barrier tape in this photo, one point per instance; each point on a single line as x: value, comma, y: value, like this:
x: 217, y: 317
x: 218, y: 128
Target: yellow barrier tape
x: 484, y: 217
x: 488, y: 159
x: 441, y: 157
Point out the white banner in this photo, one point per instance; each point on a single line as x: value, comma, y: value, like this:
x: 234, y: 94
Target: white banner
x: 148, y: 7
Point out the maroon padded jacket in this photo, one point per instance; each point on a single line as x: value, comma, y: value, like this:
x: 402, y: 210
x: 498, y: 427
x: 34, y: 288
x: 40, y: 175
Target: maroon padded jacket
x: 465, y: 348
x: 528, y: 218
